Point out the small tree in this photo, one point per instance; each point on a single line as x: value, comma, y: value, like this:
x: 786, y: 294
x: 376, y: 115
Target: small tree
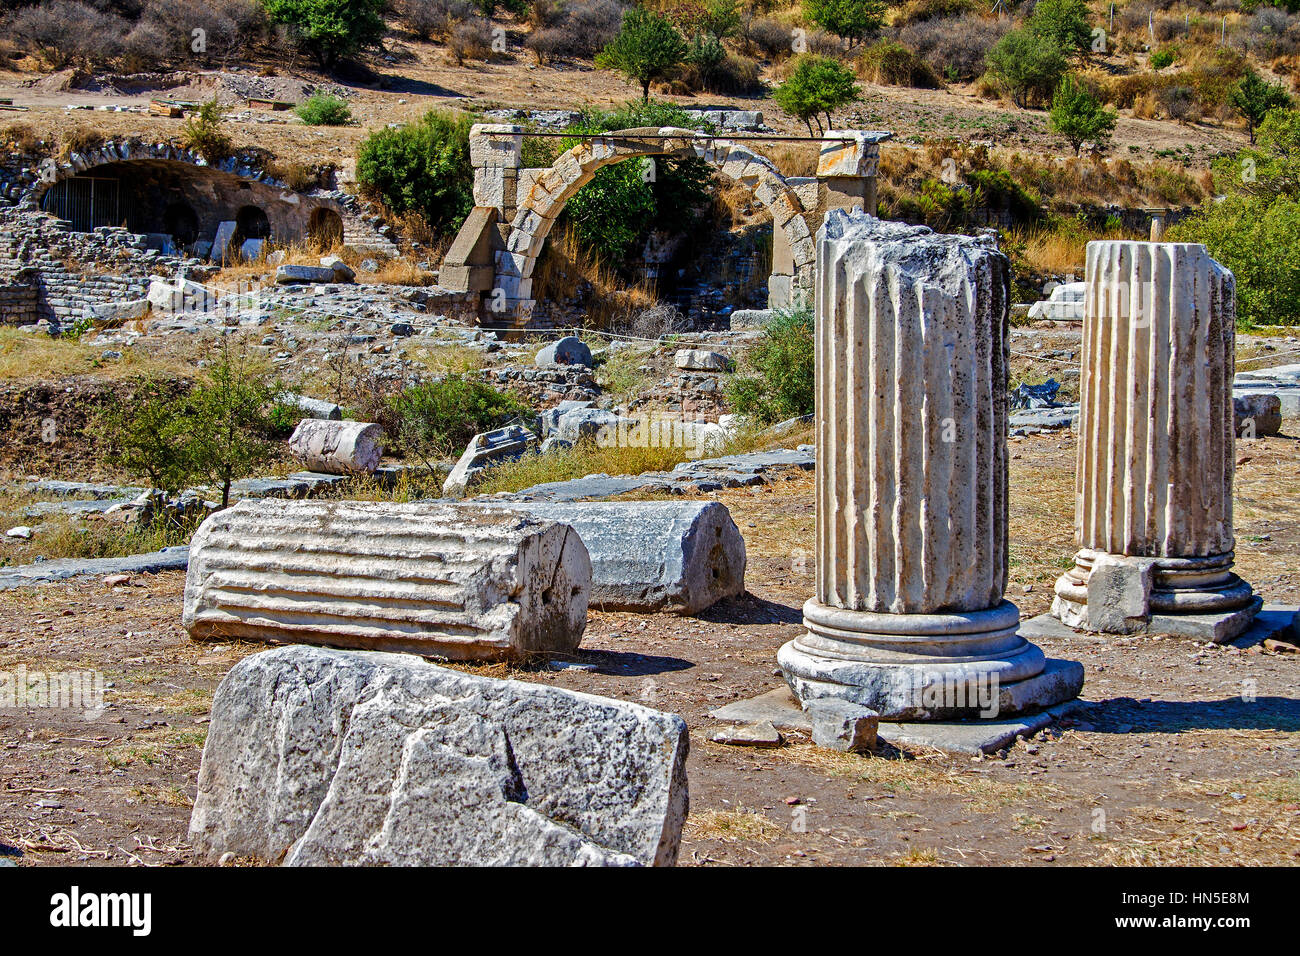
x: 322, y: 109
x: 817, y: 87
x: 1027, y: 66
x: 1079, y: 116
x: 219, y: 432
x: 149, y: 436
x: 230, y: 420
x: 647, y: 48
x: 330, y: 29
x: 203, y: 132
x: 1065, y: 22
x: 851, y: 20
x: 1253, y: 97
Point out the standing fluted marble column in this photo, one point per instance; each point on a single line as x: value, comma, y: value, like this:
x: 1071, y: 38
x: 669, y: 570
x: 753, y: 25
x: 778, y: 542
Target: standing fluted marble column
x: 1156, y: 458
x: 909, y: 617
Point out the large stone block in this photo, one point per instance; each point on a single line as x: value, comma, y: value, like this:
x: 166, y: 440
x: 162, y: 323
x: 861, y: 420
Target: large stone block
x: 337, y: 447
x: 653, y: 555
x: 317, y: 757
x: 434, y: 579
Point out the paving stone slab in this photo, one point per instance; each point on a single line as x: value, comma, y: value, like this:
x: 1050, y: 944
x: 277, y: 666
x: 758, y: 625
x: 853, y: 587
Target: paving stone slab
x: 43, y: 572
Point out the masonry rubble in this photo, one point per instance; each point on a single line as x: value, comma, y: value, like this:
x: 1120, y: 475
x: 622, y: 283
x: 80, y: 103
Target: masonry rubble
x: 485, y: 450
x: 337, y: 447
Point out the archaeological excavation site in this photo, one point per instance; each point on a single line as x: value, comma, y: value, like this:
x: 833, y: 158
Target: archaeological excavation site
x: 696, y: 433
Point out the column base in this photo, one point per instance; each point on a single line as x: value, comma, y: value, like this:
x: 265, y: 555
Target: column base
x: 1198, y: 598
x: 925, y: 666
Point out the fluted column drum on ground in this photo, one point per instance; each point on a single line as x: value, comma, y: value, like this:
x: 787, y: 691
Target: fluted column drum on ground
x: 450, y: 581
x: 1155, y: 457
x: 908, y: 617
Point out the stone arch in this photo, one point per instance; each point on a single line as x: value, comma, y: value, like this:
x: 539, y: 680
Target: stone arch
x: 543, y: 199
x: 324, y: 228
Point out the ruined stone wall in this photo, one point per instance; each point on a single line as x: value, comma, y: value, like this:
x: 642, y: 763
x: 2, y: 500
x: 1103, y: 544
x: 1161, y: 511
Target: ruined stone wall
x: 50, y: 273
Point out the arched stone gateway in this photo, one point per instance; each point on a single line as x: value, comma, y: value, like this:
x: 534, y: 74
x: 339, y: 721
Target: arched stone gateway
x: 515, y: 209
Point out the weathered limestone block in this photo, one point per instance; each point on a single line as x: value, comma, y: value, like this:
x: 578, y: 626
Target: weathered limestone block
x: 1156, y: 450
x: 1256, y: 414
x: 485, y: 450
x: 434, y: 579
x: 337, y: 447
x: 909, y: 618
x: 320, y: 757
x: 495, y: 145
x: 849, y: 153
x: 701, y: 360
x: 293, y: 275
x: 653, y: 555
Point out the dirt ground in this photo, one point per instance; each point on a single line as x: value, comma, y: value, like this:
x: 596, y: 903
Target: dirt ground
x: 1184, y: 754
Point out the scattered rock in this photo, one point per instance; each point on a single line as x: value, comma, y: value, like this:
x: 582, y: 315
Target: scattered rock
x: 485, y: 450
x: 842, y: 725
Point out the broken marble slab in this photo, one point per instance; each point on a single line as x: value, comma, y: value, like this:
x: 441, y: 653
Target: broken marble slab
x: 321, y: 757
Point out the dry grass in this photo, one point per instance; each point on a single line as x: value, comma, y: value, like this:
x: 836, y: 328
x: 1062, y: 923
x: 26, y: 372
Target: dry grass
x: 585, y: 458
x: 924, y: 774
x: 732, y: 826
x: 566, y: 265
x: 64, y: 536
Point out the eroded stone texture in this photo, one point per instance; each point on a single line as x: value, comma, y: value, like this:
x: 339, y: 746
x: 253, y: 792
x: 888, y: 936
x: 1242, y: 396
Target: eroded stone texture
x: 436, y: 579
x: 908, y: 618
x: 1156, y: 448
x: 321, y: 757
x: 337, y: 447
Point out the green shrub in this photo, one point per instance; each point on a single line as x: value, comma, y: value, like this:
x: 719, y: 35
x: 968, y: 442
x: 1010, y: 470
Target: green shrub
x: 626, y: 201
x: 851, y: 20
x: 202, y: 132
x: 1254, y: 229
x: 436, y: 419
x: 423, y: 168
x: 321, y: 109
x: 782, y: 381
x: 1026, y: 66
x: 1163, y: 58
x: 1065, y: 23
